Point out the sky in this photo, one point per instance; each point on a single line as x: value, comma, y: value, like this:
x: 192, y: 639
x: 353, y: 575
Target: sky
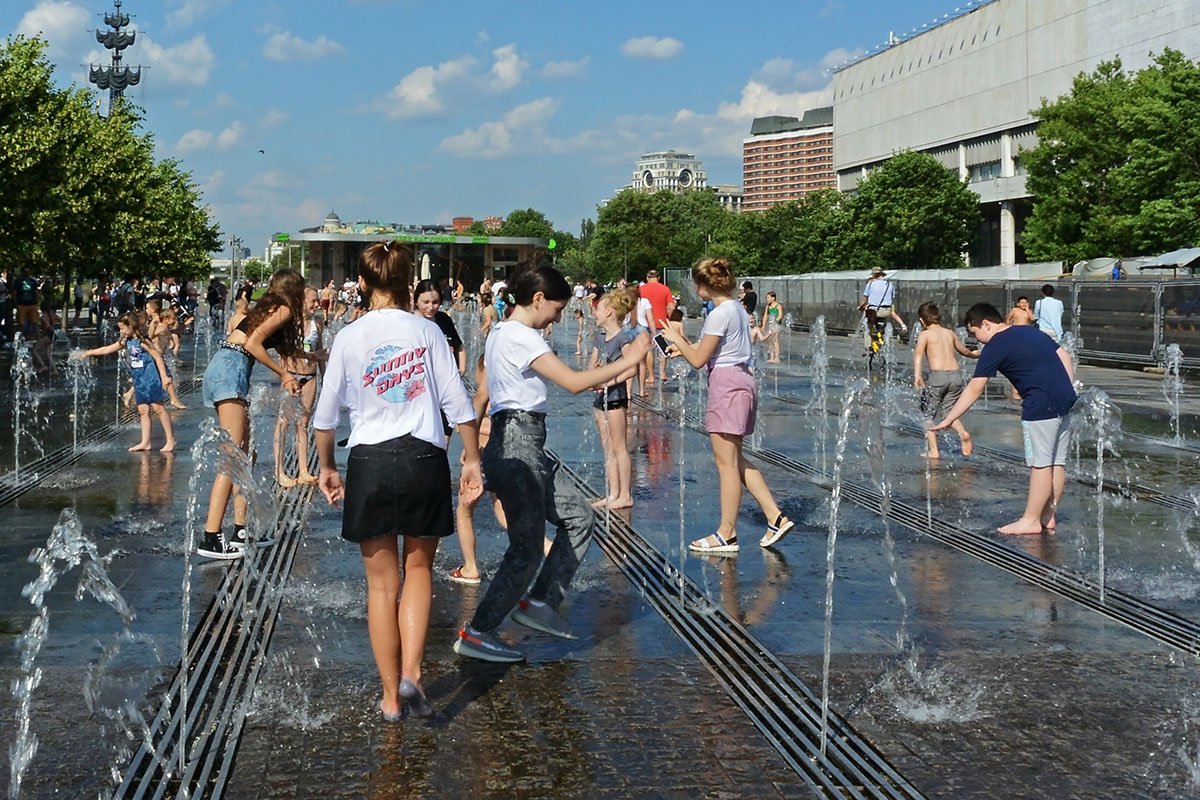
x: 415, y: 111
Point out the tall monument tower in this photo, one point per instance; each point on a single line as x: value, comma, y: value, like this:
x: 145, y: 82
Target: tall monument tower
x: 116, y: 77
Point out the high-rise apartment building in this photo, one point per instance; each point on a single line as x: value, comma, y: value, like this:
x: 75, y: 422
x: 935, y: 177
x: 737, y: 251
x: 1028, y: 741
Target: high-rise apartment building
x: 786, y: 158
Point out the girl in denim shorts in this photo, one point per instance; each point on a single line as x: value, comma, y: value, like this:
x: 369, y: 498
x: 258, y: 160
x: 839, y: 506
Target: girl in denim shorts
x: 724, y: 348
x: 273, y: 323
x: 395, y: 371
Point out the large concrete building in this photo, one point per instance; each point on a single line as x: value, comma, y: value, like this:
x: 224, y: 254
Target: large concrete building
x: 964, y: 91
x: 786, y: 158
x: 670, y: 171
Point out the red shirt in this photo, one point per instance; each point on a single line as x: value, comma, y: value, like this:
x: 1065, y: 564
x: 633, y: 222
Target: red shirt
x: 659, y: 295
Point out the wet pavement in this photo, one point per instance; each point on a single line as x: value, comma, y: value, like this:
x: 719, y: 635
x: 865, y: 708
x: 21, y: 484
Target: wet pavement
x: 969, y: 681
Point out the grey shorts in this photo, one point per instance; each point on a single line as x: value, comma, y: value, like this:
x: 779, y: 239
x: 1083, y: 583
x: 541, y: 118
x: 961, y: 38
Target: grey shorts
x: 942, y: 391
x: 1046, y: 441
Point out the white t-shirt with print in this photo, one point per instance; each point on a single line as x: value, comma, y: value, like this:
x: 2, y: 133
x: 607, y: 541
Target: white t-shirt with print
x: 396, y: 374
x: 511, y: 348
x: 731, y: 323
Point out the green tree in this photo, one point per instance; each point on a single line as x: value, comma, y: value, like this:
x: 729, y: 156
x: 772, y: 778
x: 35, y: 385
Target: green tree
x: 1116, y: 170
x: 255, y: 268
x: 288, y: 257
x: 527, y: 222
x: 911, y: 213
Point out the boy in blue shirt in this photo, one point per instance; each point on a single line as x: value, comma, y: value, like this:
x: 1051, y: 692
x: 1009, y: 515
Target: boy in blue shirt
x: 1043, y: 375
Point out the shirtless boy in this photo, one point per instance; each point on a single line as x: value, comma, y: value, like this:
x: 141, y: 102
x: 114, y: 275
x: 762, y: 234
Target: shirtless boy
x: 944, y: 386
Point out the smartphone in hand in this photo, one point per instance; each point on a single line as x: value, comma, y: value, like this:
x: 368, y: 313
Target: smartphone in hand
x: 661, y: 343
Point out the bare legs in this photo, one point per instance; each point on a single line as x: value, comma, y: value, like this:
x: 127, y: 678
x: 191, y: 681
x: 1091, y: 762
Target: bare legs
x: 233, y: 416
x: 735, y: 472
x: 398, y: 632
x: 932, y: 444
x: 308, y: 398
x: 164, y: 419
x: 617, y: 465
x: 1046, y: 485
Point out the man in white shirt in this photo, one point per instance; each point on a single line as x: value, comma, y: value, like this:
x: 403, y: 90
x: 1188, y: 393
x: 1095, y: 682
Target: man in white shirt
x: 877, y: 301
x: 1048, y: 311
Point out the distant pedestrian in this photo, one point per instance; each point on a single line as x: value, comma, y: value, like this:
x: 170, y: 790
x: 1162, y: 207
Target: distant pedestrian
x: 28, y: 298
x: 1043, y: 374
x: 1048, y: 311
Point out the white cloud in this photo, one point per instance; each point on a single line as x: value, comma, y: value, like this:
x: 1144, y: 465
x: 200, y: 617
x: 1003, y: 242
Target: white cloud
x: 286, y: 46
x: 197, y: 141
x: 565, y: 69
x: 783, y: 74
x: 482, y: 37
x: 62, y: 24
x: 273, y: 119
x: 419, y: 92
x: 223, y: 100
x: 187, y: 64
x: 188, y: 11
x: 652, y: 47
x: 523, y: 126
x: 759, y: 100
x: 507, y: 68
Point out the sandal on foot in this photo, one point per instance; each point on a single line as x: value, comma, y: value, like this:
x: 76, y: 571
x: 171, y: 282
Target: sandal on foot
x: 782, y: 527
x: 457, y: 576
x: 723, y: 545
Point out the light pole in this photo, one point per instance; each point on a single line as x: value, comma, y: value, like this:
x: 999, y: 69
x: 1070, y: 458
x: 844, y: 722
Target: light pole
x: 625, y: 258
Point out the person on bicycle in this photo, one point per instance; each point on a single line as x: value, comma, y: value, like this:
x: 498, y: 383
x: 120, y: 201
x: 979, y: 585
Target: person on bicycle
x: 876, y: 303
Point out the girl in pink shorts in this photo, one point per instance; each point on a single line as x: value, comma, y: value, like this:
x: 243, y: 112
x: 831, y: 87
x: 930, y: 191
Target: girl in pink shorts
x: 724, y: 348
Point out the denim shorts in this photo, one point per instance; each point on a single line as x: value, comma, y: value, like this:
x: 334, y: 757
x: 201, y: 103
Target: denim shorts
x: 397, y: 487
x: 227, y: 376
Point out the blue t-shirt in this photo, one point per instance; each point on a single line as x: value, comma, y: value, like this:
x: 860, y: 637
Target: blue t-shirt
x: 1029, y: 358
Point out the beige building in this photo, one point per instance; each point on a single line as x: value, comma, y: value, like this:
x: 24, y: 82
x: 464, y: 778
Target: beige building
x: 786, y: 158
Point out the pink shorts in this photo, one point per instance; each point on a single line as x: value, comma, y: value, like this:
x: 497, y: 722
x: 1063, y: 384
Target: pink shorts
x: 732, y: 401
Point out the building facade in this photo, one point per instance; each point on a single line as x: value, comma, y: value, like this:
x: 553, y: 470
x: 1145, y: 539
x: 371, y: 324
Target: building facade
x: 669, y: 171
x: 729, y: 196
x: 964, y: 91
x: 786, y: 158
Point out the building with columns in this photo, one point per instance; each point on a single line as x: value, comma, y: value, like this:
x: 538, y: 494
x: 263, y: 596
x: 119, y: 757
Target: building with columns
x: 964, y: 89
x: 670, y: 171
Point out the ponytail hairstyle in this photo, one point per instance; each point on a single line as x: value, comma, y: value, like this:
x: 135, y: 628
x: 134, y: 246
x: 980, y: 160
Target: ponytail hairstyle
x: 387, y: 267
x: 285, y: 289
x: 714, y: 274
x: 547, y: 280
x: 133, y: 321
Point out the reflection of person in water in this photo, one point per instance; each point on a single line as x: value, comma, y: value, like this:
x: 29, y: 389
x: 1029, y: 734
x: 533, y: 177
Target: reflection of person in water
x: 777, y: 574
x: 153, y: 488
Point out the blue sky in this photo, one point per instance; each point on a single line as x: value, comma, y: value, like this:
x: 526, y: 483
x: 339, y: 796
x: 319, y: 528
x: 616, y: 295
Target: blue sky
x: 415, y: 112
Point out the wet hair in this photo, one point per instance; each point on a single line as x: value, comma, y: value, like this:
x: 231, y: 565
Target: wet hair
x: 715, y: 274
x: 285, y: 289
x: 929, y: 315
x: 133, y: 321
x: 1048, y: 290
x: 547, y: 280
x: 387, y: 266
x: 427, y: 286
x: 980, y: 313
x: 621, y: 302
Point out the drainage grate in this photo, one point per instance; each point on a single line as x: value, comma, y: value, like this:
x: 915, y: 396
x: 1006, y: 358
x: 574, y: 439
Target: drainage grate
x: 778, y: 703
x: 189, y: 751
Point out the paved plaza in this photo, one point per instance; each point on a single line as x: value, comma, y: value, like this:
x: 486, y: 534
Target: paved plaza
x: 967, y: 664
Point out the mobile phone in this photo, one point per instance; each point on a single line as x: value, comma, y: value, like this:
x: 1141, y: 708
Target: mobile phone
x: 661, y: 343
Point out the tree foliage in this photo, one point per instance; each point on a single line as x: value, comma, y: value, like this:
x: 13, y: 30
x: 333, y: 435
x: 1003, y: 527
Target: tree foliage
x: 84, y: 193
x: 1117, y: 167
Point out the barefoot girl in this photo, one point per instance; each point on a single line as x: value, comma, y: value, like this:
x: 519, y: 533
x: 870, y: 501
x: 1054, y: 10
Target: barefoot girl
x: 531, y: 490
x: 612, y: 401
x: 396, y: 374
x: 304, y: 369
x: 274, y: 322
x: 149, y: 374
x: 724, y: 347
x: 161, y: 330
x: 772, y: 324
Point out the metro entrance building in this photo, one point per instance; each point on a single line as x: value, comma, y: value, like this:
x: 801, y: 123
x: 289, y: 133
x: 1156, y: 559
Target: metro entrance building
x: 331, y: 251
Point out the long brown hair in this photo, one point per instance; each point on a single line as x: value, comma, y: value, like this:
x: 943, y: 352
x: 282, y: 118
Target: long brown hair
x: 285, y: 289
x: 387, y: 266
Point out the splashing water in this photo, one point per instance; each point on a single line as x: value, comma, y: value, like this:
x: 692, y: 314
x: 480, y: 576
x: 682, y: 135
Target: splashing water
x: 67, y: 547
x: 83, y: 381
x: 25, y: 401
x: 1096, y: 418
x: 849, y: 404
x: 820, y: 381
x: 1172, y: 387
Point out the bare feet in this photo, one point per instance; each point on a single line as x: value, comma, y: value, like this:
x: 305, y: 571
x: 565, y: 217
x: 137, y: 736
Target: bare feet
x: 967, y: 444
x: 1021, y: 527
x: 168, y: 447
x: 933, y: 455
x: 178, y: 405
x: 1050, y: 524
x: 601, y: 503
x: 620, y: 502
x: 307, y: 480
x: 139, y: 447
x: 285, y: 481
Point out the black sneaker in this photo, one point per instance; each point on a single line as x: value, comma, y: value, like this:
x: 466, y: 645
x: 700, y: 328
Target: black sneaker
x: 485, y: 646
x: 240, y: 541
x: 215, y: 545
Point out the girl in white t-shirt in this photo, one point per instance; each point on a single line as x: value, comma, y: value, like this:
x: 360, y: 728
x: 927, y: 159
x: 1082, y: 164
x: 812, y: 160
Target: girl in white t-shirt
x: 396, y: 374
x: 531, y: 490
x: 724, y: 348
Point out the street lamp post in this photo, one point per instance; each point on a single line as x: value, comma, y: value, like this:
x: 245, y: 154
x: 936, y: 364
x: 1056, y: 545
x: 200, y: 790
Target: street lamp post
x: 625, y: 258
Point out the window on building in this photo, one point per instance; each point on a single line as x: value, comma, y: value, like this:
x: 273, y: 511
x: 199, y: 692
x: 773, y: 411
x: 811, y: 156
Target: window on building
x: 984, y: 172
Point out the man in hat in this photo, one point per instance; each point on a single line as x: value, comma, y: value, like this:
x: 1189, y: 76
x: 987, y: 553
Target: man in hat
x: 877, y: 298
